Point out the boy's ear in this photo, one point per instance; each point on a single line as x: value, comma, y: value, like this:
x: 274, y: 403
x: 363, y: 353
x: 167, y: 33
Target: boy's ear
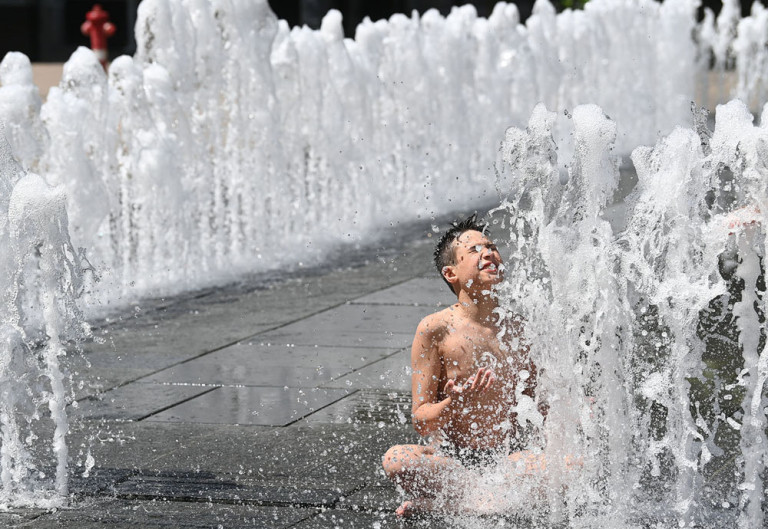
x: 449, y: 273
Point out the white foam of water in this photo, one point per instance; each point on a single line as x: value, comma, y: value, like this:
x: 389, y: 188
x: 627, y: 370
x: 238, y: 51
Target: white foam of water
x: 232, y: 143
x: 20, y: 105
x: 627, y: 308
x: 40, y: 283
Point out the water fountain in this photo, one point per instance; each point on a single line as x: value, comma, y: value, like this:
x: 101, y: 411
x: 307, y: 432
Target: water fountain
x: 41, y: 281
x: 631, y: 308
x: 229, y: 138
x: 277, y: 111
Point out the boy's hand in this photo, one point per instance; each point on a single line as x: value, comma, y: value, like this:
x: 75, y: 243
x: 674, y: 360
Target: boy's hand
x: 475, y: 384
x: 743, y: 218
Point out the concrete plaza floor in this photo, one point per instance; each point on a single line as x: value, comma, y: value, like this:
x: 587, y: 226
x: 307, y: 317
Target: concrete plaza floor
x: 261, y: 404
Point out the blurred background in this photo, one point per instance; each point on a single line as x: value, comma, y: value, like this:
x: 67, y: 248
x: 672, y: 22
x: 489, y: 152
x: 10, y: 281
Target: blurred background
x: 48, y: 31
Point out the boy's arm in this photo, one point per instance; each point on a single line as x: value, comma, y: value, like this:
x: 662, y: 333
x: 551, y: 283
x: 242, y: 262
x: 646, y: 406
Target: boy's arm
x: 429, y: 414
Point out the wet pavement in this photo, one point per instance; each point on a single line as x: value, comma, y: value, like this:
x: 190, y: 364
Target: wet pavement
x: 261, y: 404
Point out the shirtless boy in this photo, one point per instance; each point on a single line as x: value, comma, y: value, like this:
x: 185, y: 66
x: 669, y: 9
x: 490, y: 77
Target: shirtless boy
x: 466, y: 382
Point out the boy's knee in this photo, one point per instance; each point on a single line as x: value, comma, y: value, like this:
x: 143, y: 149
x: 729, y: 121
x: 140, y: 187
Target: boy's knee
x: 392, y: 462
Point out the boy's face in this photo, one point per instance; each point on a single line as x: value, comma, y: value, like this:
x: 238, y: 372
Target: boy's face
x: 476, y: 263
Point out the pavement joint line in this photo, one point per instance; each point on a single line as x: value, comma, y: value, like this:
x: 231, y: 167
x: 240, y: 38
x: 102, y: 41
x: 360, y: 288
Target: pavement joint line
x: 239, y: 340
x: 131, y: 381
x: 237, y: 500
x: 181, y: 298
x: 307, y: 518
x: 215, y: 349
x: 345, y: 374
x: 176, y: 404
x: 233, y: 501
x: 354, y: 300
x: 104, y: 489
x: 366, y: 365
x: 322, y: 407
x: 211, y: 292
x: 214, y: 386
x: 388, y: 304
x: 339, y: 346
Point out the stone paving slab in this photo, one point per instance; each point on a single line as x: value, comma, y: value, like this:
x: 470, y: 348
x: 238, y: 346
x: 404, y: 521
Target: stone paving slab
x: 305, y: 335
x: 20, y: 517
x: 143, y: 445
x: 265, y: 406
x: 420, y: 291
x: 137, y: 401
x: 118, y: 513
x: 218, y: 490
x: 135, y: 351
x: 367, y: 318
x: 392, y: 373
x: 264, y: 354
x: 271, y: 365
x: 331, y: 519
x: 98, y: 481
x: 180, y: 447
x: 163, y: 333
x: 195, y: 372
x: 366, y: 407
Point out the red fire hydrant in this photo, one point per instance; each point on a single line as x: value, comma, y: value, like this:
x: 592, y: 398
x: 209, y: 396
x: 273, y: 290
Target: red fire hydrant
x: 99, y: 28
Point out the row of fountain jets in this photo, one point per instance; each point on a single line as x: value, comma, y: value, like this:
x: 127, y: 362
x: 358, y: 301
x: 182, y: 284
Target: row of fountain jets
x: 231, y: 143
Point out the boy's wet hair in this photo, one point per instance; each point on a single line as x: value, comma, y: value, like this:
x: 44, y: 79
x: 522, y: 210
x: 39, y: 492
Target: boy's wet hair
x: 444, y: 250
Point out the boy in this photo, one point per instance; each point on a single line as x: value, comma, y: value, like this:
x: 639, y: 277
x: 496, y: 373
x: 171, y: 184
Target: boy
x: 466, y: 382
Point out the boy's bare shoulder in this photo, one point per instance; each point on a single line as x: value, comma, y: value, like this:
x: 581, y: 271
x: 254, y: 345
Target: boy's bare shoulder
x: 437, y: 323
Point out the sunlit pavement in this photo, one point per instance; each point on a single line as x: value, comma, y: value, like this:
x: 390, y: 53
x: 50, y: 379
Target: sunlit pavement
x: 263, y: 404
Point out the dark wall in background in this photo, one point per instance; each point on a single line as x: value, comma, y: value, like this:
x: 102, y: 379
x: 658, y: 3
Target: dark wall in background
x: 49, y: 30
x: 18, y: 27
x: 311, y: 12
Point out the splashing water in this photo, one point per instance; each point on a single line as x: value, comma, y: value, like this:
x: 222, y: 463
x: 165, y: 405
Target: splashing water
x: 633, y: 372
x: 229, y: 137
x: 39, y: 318
x: 230, y: 142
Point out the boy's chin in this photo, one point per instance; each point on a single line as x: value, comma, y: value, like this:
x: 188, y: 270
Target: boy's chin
x: 493, y: 279
x: 486, y: 283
